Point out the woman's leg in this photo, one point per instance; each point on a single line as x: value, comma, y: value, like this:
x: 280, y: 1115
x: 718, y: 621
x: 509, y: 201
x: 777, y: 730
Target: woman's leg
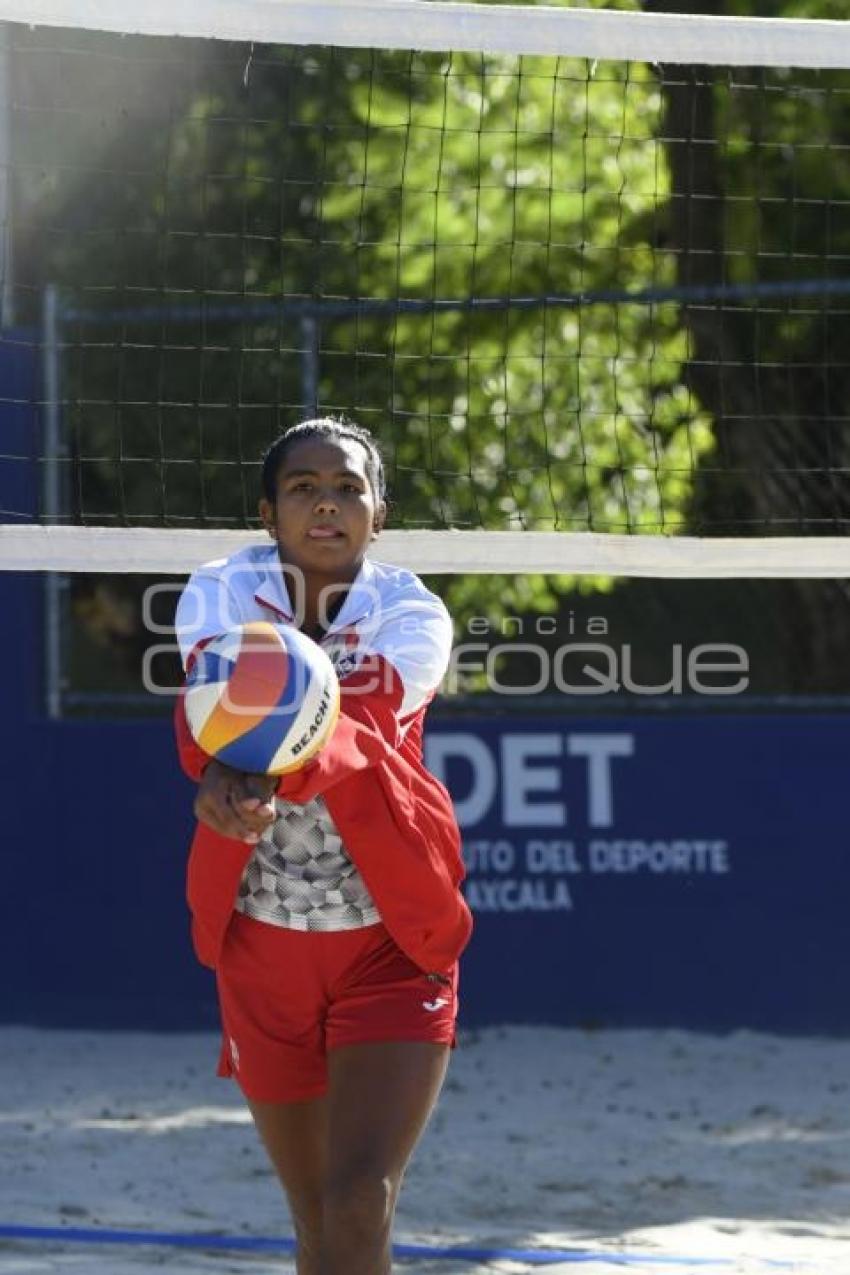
x: 295, y: 1137
x: 379, y: 1100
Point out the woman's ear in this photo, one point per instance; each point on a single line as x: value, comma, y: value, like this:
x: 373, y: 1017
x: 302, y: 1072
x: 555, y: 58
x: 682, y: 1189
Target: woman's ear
x: 379, y: 519
x: 267, y: 517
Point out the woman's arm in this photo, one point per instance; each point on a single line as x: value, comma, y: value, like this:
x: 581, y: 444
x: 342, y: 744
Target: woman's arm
x: 402, y: 661
x: 234, y: 804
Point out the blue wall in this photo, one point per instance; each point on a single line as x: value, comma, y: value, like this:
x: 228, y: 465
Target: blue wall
x: 694, y: 872
x: 699, y: 880
x: 97, y: 821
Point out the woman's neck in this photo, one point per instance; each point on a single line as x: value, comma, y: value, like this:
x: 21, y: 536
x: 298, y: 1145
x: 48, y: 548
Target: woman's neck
x: 318, y: 617
x: 318, y: 599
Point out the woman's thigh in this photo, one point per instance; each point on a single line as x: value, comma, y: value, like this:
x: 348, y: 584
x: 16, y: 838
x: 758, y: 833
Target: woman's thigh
x: 379, y: 1099
x: 295, y: 1137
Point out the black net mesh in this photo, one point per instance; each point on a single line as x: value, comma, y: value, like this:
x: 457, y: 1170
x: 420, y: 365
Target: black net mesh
x: 565, y: 296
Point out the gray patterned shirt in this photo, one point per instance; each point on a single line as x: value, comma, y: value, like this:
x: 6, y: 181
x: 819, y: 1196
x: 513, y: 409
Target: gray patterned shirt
x: 299, y: 876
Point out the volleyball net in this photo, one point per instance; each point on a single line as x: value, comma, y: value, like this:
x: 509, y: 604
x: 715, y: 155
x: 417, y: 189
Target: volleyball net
x: 583, y: 273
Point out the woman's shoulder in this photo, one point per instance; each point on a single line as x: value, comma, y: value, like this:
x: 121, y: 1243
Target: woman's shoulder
x: 243, y: 566
x: 401, y: 587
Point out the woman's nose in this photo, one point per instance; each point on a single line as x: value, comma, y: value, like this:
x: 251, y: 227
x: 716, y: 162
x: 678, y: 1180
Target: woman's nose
x: 326, y: 500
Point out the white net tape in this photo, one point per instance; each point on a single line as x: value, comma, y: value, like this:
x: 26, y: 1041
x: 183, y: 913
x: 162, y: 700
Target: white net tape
x: 433, y: 25
x: 148, y: 550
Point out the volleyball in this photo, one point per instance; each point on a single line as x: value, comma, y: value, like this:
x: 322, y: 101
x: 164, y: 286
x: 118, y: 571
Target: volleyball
x: 262, y: 698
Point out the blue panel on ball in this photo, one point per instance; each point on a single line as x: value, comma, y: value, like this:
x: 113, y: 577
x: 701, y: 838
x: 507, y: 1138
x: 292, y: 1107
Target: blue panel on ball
x: 209, y: 666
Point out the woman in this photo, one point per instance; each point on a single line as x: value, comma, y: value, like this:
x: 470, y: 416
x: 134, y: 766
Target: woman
x: 328, y: 901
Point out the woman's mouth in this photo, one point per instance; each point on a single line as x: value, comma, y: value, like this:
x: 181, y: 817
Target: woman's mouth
x: 325, y: 533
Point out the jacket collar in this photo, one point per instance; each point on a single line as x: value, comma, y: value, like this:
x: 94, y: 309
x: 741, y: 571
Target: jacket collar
x: 361, y: 599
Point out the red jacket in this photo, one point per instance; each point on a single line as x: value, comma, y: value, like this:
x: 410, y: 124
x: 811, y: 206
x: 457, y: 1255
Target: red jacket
x: 395, y: 819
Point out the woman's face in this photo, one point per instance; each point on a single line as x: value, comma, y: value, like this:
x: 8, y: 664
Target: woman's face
x: 325, y: 513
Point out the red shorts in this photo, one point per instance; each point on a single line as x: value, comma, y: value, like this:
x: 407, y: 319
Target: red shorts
x: 287, y: 997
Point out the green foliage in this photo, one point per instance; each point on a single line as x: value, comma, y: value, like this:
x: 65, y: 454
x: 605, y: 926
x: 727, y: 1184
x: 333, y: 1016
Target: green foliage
x: 498, y: 179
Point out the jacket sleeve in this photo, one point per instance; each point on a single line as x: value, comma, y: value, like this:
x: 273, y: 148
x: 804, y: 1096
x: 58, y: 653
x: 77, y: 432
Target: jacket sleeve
x: 401, y: 664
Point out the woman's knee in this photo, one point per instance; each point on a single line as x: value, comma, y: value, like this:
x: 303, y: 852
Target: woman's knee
x: 360, y: 1199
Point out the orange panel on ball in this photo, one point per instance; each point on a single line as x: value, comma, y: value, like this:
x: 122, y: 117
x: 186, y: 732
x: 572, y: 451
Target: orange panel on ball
x: 254, y: 690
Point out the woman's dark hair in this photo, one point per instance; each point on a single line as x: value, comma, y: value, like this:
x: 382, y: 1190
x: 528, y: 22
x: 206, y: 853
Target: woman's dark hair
x: 325, y: 427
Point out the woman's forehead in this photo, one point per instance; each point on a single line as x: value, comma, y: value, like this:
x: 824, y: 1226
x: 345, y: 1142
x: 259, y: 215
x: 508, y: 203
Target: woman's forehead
x: 325, y: 454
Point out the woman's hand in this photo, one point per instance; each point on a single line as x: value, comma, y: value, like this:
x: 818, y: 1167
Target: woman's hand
x: 235, y: 804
